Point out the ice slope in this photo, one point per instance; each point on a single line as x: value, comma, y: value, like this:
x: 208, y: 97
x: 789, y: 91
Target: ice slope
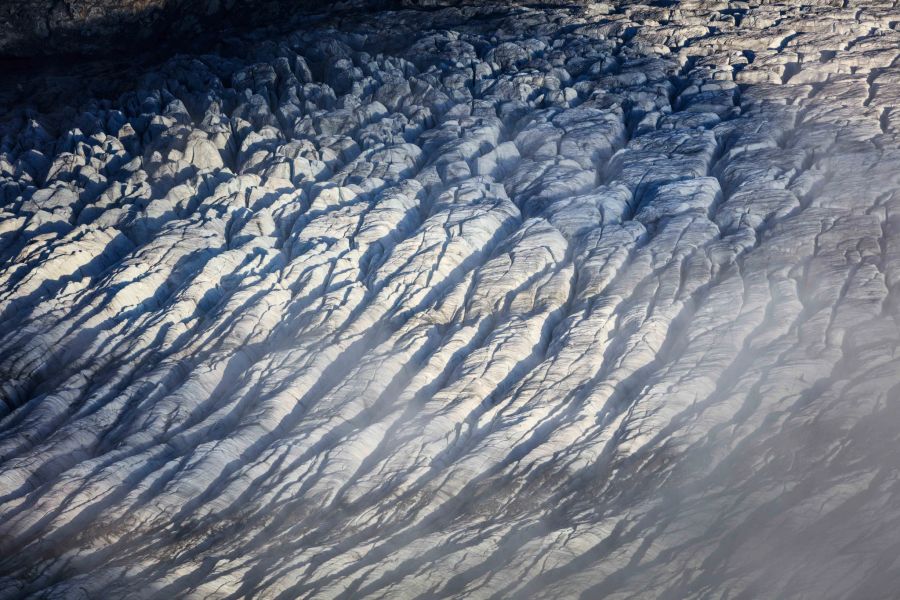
x: 480, y: 302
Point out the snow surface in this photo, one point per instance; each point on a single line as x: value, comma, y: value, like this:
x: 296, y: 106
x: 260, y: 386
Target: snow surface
x: 479, y: 302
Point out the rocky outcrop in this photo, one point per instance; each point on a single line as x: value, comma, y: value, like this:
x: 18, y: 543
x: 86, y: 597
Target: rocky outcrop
x: 594, y: 302
x: 108, y: 27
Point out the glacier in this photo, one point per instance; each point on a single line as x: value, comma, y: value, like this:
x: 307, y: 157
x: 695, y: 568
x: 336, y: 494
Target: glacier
x: 493, y: 300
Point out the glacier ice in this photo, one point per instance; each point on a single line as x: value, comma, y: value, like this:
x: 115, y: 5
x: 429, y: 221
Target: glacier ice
x: 485, y: 301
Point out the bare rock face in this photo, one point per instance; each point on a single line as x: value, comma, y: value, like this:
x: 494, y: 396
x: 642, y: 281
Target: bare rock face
x: 29, y: 27
x: 469, y: 302
x: 42, y: 27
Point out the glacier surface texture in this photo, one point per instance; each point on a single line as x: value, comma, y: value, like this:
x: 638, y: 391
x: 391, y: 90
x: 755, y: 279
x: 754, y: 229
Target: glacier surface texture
x: 487, y: 301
